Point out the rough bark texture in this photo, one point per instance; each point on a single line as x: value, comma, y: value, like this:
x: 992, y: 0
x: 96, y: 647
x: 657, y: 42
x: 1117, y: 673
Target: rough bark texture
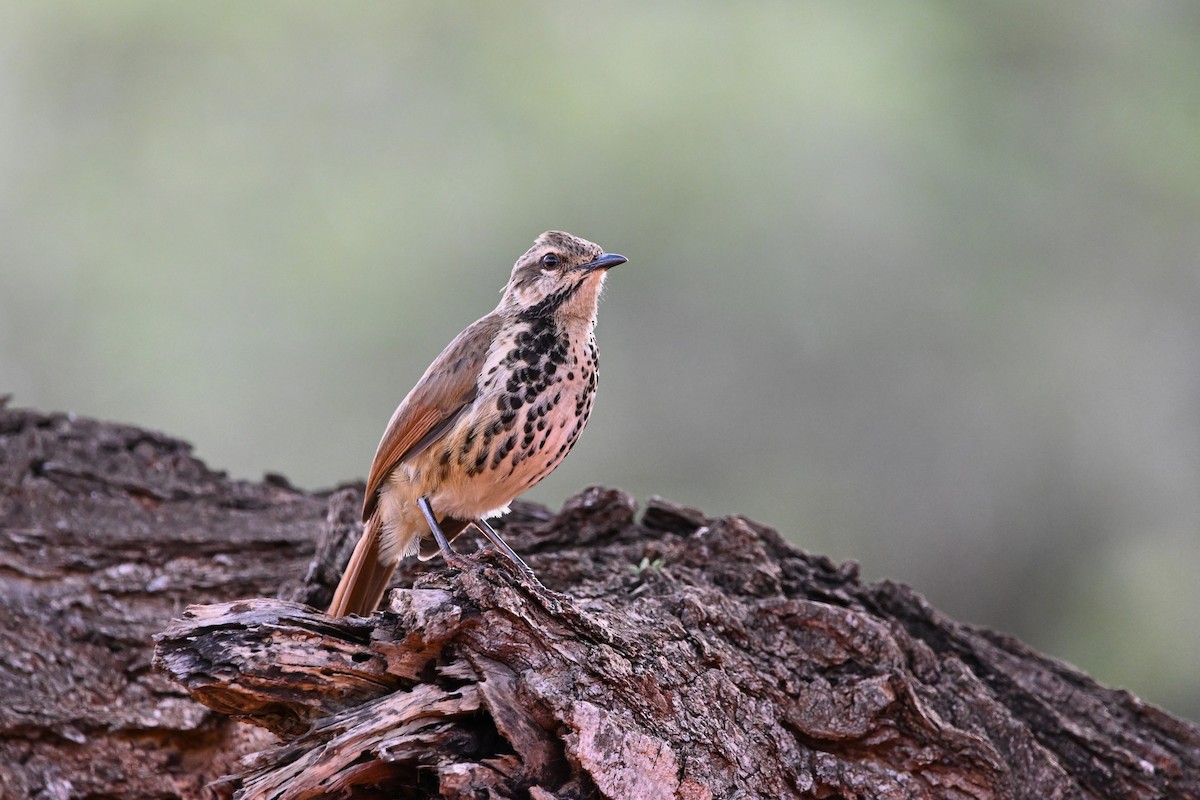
x: 694, y: 658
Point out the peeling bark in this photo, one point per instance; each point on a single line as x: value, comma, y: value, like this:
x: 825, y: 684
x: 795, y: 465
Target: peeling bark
x: 693, y: 658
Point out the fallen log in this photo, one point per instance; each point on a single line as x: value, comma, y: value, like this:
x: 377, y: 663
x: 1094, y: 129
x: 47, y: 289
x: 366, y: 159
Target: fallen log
x: 669, y: 655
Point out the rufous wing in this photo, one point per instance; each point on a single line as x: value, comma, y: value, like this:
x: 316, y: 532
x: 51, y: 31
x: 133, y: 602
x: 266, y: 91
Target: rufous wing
x: 444, y: 392
x: 446, y: 389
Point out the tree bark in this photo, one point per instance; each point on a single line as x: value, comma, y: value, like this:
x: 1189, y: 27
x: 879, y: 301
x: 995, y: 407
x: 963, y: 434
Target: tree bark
x: 671, y: 656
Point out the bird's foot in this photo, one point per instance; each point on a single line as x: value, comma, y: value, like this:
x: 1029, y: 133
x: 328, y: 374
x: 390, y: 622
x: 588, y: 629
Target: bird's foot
x: 487, y: 530
x: 451, y: 556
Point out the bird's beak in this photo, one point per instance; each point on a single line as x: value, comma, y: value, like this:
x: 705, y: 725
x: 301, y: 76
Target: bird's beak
x: 605, y: 261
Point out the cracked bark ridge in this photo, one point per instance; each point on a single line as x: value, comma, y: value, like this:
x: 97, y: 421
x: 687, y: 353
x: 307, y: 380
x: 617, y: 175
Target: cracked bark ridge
x: 695, y: 658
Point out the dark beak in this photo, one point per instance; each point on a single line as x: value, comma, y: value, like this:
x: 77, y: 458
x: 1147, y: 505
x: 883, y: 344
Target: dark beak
x: 605, y: 261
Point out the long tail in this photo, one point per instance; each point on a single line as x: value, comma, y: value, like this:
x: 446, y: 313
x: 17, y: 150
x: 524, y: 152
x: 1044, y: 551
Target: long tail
x: 367, y: 575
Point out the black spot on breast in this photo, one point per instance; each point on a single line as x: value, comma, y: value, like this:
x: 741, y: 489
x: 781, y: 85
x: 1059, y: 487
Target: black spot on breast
x: 544, y: 342
x: 503, y: 450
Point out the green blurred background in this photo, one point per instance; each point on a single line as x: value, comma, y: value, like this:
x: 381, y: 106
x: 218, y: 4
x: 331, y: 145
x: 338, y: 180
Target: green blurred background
x: 916, y: 283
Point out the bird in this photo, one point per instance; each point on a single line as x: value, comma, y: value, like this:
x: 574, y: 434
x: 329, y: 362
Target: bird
x: 493, y: 415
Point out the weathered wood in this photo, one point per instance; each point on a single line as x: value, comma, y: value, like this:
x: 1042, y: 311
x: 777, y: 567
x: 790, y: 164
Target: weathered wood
x: 734, y: 664
x: 694, y: 657
x: 106, y: 532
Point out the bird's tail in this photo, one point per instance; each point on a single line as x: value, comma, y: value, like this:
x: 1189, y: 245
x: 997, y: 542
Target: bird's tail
x: 367, y: 575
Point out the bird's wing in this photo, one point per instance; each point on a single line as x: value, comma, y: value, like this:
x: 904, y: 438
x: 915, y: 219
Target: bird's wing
x: 445, y: 390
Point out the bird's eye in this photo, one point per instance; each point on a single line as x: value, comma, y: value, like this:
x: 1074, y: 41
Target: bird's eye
x: 549, y: 261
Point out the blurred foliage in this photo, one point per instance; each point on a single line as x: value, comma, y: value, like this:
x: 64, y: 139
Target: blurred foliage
x: 916, y: 283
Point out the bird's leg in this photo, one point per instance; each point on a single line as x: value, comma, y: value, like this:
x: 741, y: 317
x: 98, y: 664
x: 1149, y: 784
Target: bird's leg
x: 501, y: 545
x: 448, y: 553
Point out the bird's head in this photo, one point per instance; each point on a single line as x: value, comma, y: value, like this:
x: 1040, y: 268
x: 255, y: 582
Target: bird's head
x: 560, y: 276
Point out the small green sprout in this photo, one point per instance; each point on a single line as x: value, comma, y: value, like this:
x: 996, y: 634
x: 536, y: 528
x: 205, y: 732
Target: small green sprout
x: 646, y: 564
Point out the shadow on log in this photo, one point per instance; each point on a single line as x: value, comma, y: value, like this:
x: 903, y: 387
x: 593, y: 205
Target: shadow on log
x: 693, y: 657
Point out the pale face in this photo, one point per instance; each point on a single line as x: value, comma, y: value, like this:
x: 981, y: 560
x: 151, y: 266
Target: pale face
x: 560, y: 275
